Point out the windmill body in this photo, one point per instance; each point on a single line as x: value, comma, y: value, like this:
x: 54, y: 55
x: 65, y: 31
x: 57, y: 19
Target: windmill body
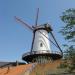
x: 41, y: 42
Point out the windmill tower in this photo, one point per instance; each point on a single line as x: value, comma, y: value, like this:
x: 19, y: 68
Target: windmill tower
x: 40, y: 49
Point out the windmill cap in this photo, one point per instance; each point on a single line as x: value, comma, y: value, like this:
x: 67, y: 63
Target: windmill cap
x: 45, y: 26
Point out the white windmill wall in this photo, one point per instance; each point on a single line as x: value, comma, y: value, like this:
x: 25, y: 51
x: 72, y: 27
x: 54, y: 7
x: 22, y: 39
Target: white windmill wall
x: 41, y: 43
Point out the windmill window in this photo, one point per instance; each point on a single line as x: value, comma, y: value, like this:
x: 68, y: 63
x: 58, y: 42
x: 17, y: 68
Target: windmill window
x: 41, y: 44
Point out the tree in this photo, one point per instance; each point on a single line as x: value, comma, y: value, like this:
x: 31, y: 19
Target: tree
x: 68, y: 31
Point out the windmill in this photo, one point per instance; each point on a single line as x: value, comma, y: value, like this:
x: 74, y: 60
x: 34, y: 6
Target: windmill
x: 40, y: 49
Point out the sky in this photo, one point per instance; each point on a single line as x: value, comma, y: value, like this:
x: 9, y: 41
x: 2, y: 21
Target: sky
x: 16, y: 39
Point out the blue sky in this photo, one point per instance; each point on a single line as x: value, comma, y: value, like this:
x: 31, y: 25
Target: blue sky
x: 16, y: 39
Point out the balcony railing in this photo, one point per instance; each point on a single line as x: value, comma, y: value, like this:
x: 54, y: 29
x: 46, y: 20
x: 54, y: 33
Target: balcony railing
x: 41, y: 52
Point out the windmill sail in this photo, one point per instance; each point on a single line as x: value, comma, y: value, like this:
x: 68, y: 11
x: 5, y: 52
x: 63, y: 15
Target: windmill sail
x: 37, y: 15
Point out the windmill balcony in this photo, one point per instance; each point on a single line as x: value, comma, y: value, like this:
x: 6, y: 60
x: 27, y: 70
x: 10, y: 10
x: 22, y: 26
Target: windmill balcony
x: 41, y: 52
x: 30, y: 56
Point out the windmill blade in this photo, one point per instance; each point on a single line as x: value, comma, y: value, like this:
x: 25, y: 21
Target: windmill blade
x: 23, y: 23
x: 36, y: 21
x: 56, y: 43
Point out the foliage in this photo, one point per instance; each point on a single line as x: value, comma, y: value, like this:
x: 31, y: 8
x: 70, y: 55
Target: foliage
x: 68, y: 31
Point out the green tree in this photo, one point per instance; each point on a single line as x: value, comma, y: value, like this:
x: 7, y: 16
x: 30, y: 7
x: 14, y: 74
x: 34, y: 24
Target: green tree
x: 68, y: 31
